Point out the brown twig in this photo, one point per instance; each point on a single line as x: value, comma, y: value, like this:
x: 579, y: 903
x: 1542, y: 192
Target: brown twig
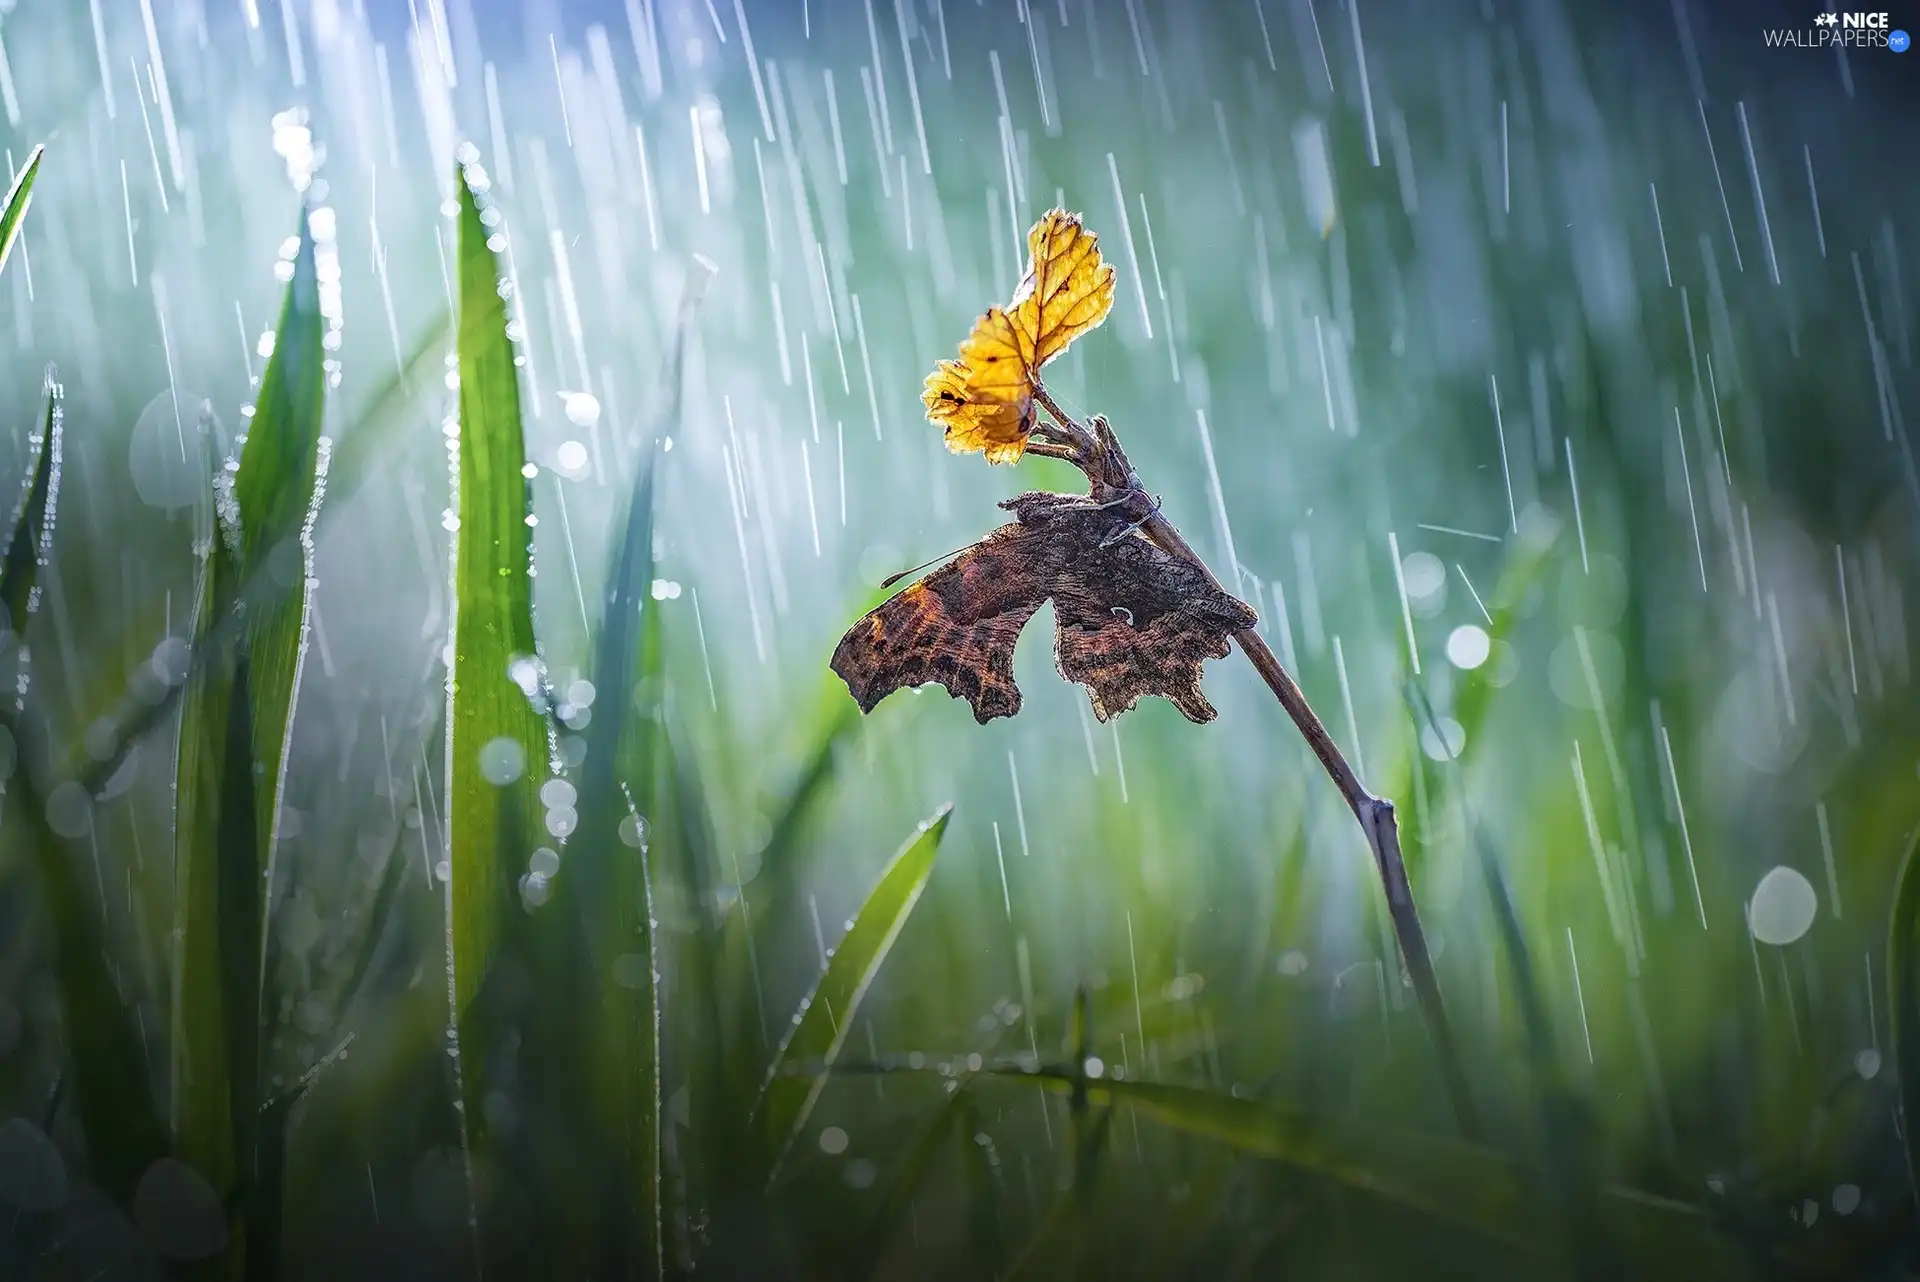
x: 1096, y: 451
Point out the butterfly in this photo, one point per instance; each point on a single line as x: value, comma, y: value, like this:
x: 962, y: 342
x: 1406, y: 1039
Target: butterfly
x: 1131, y: 619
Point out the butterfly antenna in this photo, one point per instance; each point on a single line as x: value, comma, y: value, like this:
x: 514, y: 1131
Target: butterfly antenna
x: 892, y: 579
x: 1125, y: 530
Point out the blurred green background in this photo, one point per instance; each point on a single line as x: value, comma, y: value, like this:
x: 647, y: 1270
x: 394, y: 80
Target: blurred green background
x: 1537, y: 371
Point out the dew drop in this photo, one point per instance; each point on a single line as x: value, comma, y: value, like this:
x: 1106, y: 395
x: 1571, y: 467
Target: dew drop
x: 502, y: 761
x: 633, y: 833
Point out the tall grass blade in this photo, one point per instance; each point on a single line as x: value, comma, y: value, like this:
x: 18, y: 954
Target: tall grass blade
x: 235, y: 725
x: 497, y: 743
x: 19, y: 196
x: 827, y: 1013
x: 30, y: 530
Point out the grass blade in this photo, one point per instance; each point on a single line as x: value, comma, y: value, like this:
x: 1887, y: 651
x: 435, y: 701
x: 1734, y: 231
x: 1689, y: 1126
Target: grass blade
x: 827, y: 1014
x: 234, y: 729
x: 19, y: 196
x: 497, y: 746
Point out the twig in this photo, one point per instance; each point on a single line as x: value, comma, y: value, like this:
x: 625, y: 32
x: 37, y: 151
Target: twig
x: 1096, y: 451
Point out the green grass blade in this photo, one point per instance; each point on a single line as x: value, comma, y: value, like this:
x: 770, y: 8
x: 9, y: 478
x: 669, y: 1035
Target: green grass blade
x: 494, y: 638
x: 19, y: 196
x: 1903, y: 989
x: 234, y: 729
x: 497, y: 743
x: 827, y: 1014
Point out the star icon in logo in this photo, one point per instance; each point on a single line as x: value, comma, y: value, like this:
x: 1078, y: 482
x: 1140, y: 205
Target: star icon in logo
x: 1827, y: 20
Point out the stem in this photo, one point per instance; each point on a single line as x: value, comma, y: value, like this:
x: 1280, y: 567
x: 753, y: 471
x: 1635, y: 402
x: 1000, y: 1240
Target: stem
x: 1375, y: 814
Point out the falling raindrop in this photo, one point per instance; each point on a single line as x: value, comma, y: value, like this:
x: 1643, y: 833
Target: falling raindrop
x: 582, y: 408
x: 833, y: 1141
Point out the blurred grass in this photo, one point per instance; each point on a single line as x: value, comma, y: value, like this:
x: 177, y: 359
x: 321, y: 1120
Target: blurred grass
x: 1664, y: 1093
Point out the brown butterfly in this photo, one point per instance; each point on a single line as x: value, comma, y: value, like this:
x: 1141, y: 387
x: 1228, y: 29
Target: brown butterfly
x: 1131, y: 619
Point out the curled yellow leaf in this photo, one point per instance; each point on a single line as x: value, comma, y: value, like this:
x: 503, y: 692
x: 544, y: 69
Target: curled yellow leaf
x: 984, y: 399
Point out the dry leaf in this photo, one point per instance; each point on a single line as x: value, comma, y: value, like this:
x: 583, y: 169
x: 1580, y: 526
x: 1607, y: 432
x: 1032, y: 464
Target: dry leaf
x: 985, y: 399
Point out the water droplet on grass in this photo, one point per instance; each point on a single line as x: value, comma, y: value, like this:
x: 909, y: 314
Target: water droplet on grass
x: 632, y: 970
x: 502, y: 761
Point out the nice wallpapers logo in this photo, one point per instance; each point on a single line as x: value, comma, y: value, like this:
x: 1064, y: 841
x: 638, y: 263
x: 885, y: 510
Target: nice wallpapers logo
x: 1841, y: 31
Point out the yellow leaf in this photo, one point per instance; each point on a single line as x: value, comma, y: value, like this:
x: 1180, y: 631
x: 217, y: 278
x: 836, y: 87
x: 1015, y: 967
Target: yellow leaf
x: 1067, y: 289
x: 984, y: 399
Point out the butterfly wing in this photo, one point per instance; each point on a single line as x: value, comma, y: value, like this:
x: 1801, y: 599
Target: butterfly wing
x: 1133, y: 620
x: 956, y: 627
